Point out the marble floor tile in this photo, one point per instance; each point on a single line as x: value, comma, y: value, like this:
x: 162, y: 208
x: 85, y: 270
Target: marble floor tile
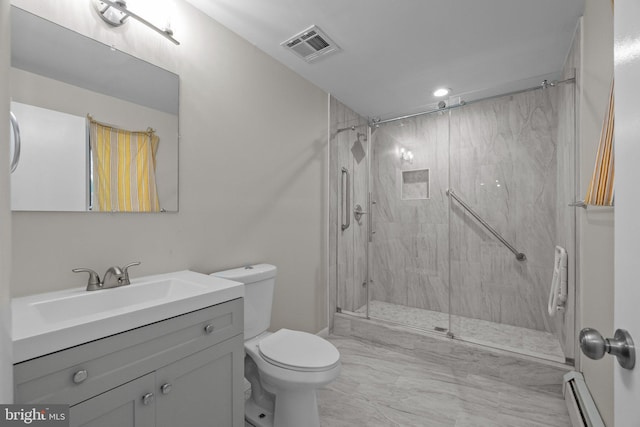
x: 379, y: 386
x: 506, y: 337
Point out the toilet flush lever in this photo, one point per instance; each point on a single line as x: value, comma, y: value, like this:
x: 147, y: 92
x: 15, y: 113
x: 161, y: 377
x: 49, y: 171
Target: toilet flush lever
x: 594, y: 346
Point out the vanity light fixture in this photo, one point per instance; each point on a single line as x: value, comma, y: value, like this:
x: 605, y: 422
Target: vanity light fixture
x: 440, y: 92
x: 115, y: 12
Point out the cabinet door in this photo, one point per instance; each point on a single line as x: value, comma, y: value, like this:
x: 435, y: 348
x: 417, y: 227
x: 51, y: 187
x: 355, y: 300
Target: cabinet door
x: 204, y: 389
x: 122, y: 407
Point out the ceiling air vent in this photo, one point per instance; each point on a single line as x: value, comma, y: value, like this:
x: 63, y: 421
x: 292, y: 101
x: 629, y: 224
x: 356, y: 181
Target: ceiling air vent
x: 311, y: 44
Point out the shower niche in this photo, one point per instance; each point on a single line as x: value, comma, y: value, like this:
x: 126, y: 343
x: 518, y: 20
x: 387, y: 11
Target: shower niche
x: 414, y: 184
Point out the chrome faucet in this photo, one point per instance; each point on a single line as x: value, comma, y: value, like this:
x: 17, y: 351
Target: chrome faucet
x: 113, y: 277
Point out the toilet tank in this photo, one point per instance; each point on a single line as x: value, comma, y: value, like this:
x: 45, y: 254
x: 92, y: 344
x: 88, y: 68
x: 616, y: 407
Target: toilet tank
x: 259, y: 281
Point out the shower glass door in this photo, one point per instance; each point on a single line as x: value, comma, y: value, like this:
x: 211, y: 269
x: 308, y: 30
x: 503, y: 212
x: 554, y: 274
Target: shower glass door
x: 511, y: 168
x: 350, y: 163
x: 409, y: 252
x: 461, y: 211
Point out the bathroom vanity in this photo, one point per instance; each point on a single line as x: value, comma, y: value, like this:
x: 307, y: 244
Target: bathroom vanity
x: 182, y: 370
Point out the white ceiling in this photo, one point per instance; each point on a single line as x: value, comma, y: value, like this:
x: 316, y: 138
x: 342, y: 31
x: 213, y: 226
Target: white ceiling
x: 396, y: 52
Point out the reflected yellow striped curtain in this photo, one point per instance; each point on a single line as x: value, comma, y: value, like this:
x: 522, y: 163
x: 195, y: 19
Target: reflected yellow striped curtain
x: 601, y: 188
x: 124, y: 169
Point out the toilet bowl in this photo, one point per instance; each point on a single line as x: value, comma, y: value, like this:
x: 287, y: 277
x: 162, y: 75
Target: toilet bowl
x: 285, y: 368
x: 291, y: 365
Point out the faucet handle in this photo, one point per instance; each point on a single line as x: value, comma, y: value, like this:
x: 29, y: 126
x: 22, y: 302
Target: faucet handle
x: 130, y: 265
x: 125, y: 270
x: 94, y: 280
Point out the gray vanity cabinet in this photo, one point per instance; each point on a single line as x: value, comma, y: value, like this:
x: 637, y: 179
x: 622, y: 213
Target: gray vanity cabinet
x: 197, y: 391
x: 121, y: 407
x: 185, y: 371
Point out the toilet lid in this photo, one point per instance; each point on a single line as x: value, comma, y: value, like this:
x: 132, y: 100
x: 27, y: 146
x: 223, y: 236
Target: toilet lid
x: 299, y: 351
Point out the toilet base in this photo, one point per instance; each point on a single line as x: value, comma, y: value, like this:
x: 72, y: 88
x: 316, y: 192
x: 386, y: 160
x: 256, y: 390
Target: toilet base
x: 296, y: 408
x: 256, y: 415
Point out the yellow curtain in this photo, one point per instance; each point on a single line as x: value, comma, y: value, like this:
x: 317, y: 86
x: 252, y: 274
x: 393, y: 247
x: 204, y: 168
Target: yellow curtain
x: 124, y: 169
x: 601, y: 187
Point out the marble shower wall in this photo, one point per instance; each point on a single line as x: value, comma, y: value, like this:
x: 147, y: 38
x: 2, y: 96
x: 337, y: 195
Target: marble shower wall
x: 347, y: 258
x: 410, y: 250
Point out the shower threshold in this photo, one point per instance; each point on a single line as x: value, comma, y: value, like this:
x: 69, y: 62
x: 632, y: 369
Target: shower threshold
x: 516, y: 339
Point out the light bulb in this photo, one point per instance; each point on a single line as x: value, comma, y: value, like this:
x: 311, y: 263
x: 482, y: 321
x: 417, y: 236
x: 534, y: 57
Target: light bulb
x: 440, y: 92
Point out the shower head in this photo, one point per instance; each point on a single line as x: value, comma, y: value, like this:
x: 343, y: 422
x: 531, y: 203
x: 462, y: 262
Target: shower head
x: 442, y: 105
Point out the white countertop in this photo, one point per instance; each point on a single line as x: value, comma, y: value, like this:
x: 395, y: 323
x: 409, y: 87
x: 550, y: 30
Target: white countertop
x: 52, y: 321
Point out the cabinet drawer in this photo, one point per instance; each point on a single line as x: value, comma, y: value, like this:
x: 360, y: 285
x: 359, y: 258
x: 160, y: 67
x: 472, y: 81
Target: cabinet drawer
x: 114, y: 360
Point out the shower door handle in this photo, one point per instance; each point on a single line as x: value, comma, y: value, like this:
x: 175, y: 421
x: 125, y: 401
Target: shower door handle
x: 346, y: 190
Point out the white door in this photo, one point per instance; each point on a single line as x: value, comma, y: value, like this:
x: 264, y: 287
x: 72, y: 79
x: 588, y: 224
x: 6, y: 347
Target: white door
x: 627, y: 200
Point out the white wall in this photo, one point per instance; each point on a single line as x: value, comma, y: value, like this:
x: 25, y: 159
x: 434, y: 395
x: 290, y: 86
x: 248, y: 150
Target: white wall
x: 596, y: 224
x: 253, y: 155
x: 6, y: 372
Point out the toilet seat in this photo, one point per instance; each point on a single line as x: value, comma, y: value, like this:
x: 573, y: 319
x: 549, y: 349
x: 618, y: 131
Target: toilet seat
x: 298, y: 351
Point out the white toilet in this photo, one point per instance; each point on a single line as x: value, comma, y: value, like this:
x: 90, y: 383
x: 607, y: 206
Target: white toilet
x: 285, y: 367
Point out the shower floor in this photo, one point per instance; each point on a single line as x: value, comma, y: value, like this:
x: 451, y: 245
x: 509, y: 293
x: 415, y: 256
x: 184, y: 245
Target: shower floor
x: 506, y: 337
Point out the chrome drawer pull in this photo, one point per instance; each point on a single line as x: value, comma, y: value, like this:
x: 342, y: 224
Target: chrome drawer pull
x: 80, y: 376
x: 209, y: 328
x: 165, y: 388
x: 147, y: 399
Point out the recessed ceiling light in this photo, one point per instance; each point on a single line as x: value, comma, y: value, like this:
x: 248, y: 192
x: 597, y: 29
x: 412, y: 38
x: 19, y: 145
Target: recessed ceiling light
x: 441, y: 92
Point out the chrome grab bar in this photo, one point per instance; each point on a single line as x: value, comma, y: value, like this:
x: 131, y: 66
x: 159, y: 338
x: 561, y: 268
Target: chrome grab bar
x: 346, y: 194
x: 519, y: 255
x: 16, y: 141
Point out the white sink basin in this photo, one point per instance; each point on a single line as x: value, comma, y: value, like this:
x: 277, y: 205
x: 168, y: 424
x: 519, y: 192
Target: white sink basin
x: 53, y: 321
x: 77, y: 305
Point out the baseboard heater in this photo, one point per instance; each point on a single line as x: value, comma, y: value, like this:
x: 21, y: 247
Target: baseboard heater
x: 582, y: 409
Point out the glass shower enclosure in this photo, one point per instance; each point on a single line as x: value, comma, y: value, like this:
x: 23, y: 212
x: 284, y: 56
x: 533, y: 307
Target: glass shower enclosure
x: 448, y: 221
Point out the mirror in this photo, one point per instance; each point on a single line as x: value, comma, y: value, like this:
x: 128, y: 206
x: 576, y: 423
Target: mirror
x: 58, y: 78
